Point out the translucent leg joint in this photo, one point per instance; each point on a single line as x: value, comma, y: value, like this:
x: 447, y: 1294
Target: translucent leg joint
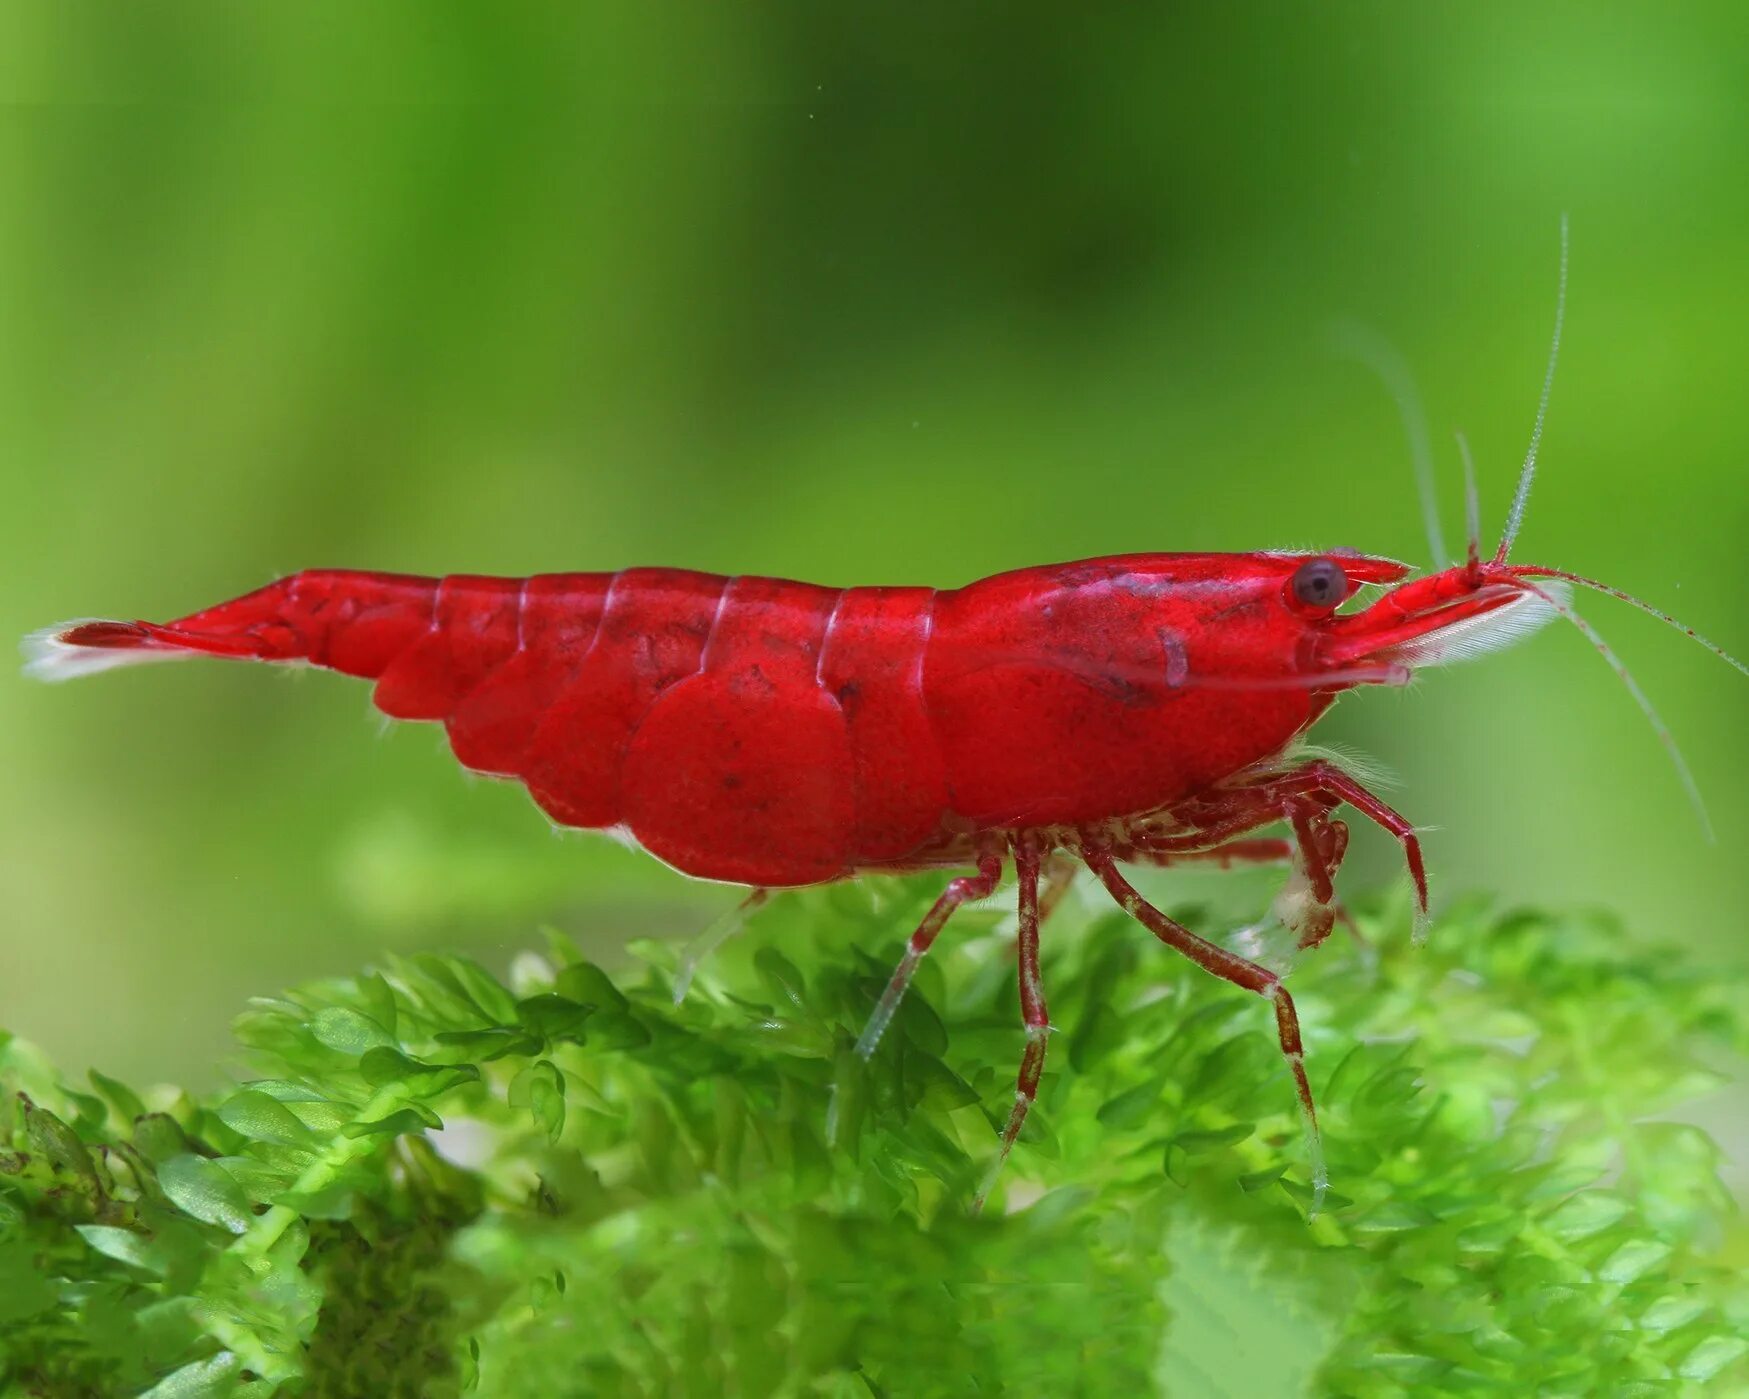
x: 965, y: 889
x: 888, y: 1006
x: 720, y: 931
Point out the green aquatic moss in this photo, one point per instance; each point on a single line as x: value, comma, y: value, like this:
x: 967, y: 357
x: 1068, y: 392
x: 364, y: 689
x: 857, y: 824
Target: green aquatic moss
x: 443, y: 1182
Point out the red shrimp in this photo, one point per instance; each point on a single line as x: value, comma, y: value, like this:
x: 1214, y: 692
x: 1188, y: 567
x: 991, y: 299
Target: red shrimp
x: 1137, y: 709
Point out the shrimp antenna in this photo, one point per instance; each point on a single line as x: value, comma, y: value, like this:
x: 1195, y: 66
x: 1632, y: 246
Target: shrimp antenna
x: 1361, y: 343
x: 1537, y: 571
x: 1472, y: 503
x: 1521, y: 498
x: 1602, y: 648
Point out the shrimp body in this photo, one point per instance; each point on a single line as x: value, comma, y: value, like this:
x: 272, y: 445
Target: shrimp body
x: 774, y: 733
x: 1133, y: 709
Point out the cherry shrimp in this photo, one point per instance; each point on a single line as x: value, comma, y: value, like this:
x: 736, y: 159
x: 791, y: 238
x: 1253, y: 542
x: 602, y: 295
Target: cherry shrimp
x: 1142, y: 709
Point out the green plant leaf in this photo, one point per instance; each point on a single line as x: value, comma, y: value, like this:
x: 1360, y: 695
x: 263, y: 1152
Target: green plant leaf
x: 347, y: 1031
x: 199, y: 1379
x: 587, y: 984
x: 123, y: 1099
x: 205, y: 1191
x: 541, y: 1089
x: 407, y: 1119
x: 159, y: 1137
x: 383, y: 1066
x: 123, y: 1245
x: 550, y: 1016
x: 486, y: 1045
x: 263, y: 1119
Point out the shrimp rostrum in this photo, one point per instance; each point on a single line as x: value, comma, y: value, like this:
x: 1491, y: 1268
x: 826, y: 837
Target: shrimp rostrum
x: 1132, y: 710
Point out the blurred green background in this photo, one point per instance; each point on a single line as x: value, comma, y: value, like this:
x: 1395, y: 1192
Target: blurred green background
x: 834, y: 293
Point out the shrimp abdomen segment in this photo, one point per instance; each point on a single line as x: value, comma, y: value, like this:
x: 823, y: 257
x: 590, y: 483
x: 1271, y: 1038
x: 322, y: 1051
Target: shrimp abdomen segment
x: 654, y: 622
x: 492, y: 727
x: 742, y: 771
x: 802, y: 748
x: 472, y: 631
x: 872, y: 665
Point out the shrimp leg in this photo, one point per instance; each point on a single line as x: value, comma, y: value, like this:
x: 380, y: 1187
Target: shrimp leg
x: 1262, y: 851
x: 720, y: 931
x: 968, y: 888
x: 1032, y: 1011
x: 1308, y: 903
x: 1303, y: 796
x: 1229, y: 967
x: 1059, y: 874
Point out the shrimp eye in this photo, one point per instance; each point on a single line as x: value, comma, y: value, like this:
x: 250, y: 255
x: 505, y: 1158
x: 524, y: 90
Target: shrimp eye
x: 1319, y: 584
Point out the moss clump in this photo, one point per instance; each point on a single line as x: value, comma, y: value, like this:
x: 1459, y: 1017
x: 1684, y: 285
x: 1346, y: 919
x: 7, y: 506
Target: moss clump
x: 628, y: 1197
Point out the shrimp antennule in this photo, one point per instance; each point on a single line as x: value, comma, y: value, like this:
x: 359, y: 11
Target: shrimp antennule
x: 1379, y: 355
x: 1521, y: 497
x: 1472, y: 506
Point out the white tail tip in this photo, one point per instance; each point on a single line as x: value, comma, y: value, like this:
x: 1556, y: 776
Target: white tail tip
x: 49, y: 657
